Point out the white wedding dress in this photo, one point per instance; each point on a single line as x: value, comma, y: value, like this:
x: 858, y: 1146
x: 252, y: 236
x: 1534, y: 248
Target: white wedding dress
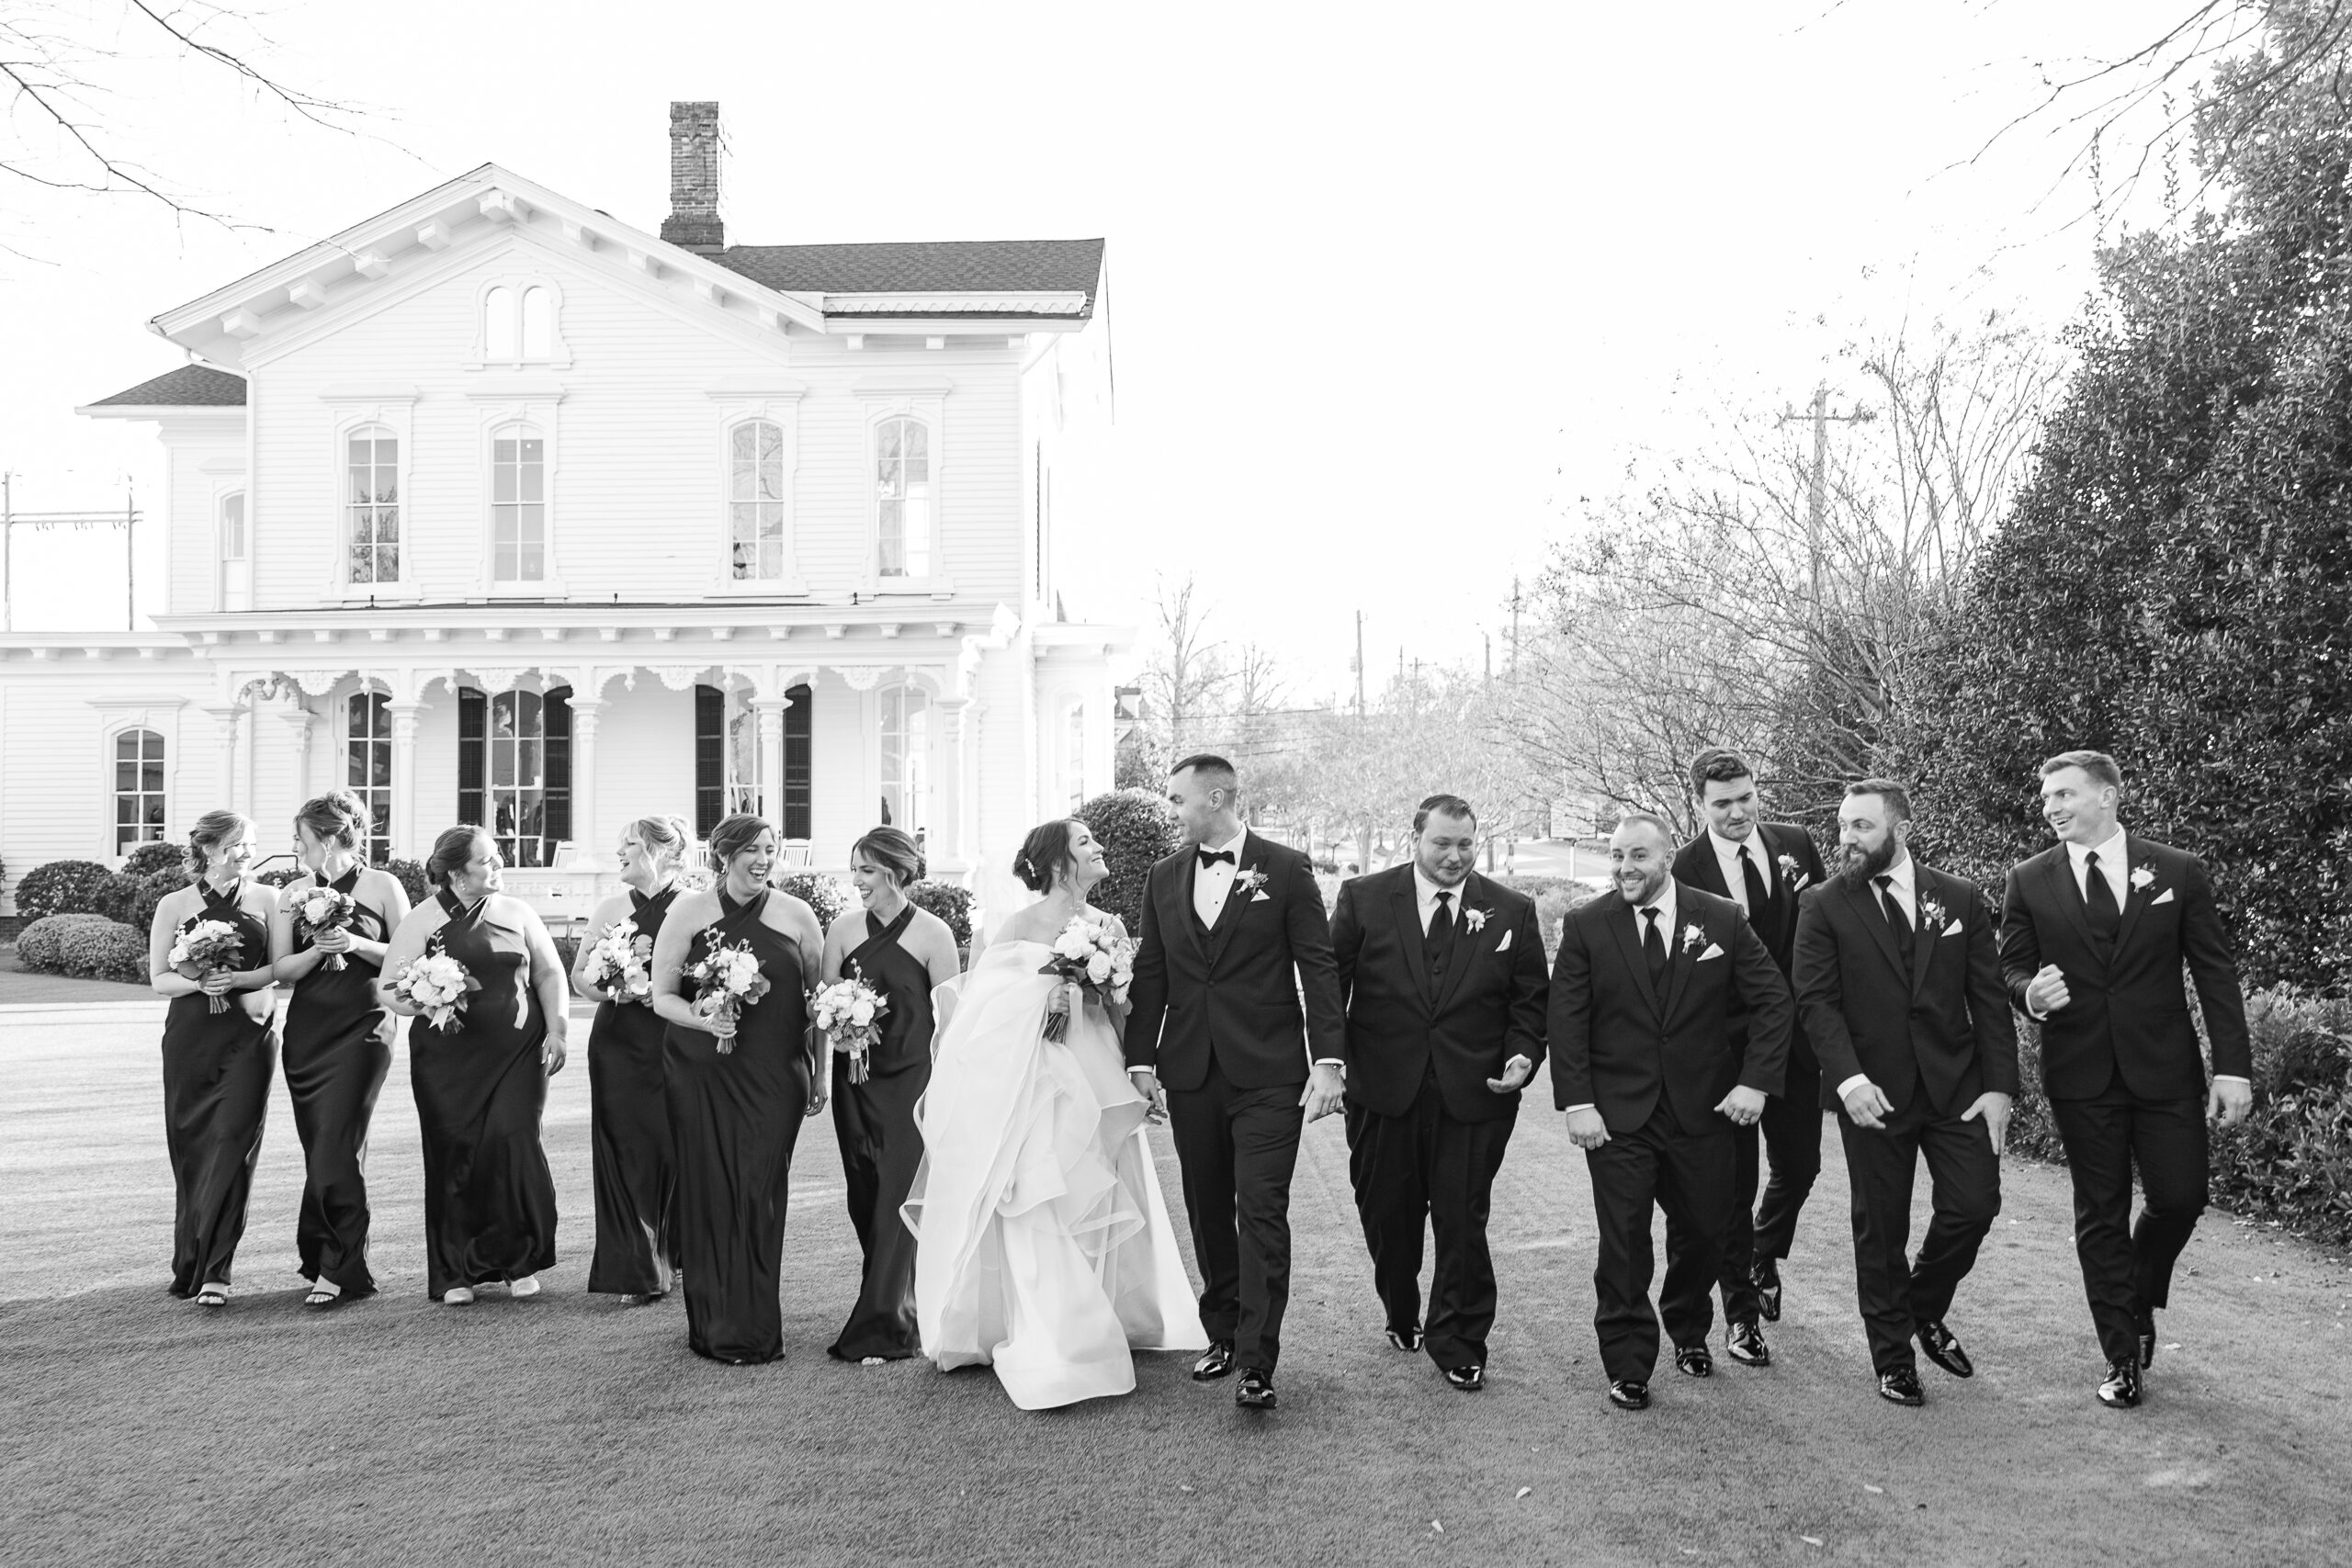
x: 1042, y: 1246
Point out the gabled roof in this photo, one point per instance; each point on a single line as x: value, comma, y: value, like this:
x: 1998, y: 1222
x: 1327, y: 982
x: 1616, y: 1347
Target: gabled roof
x: 190, y: 386
x: 939, y: 267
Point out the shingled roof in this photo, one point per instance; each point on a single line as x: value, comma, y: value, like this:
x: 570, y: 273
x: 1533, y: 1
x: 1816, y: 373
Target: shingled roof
x: 943, y: 266
x: 190, y: 386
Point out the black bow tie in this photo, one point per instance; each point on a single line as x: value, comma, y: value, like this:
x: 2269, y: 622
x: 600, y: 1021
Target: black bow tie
x: 1210, y: 857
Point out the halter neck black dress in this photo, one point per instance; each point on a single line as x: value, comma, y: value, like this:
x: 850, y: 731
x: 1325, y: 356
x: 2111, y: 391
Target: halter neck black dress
x: 338, y: 1048
x: 630, y: 1148
x: 736, y: 1116
x: 881, y: 1147
x: 480, y: 1090
x: 217, y: 1068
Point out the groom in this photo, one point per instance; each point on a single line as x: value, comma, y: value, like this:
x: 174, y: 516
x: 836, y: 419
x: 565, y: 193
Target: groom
x: 1233, y: 934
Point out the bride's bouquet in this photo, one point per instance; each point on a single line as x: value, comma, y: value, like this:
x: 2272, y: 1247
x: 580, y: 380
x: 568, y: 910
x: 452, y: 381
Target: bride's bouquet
x: 206, y: 948
x: 726, y: 981
x: 850, y: 1012
x: 621, y: 963
x: 1089, y: 956
x: 318, y: 910
x: 438, y: 986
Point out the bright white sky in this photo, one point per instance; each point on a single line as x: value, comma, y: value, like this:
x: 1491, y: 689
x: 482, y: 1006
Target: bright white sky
x: 1390, y: 290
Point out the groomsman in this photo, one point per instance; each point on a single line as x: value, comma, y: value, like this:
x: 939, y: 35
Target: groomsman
x: 1649, y: 1060
x: 1898, y: 980
x: 1763, y: 867
x: 1441, y: 974
x: 2095, y: 932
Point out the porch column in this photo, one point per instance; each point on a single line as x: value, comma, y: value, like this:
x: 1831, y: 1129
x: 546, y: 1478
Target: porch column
x: 770, y: 713
x: 951, y: 849
x: 224, y: 738
x: 301, y: 721
x: 587, y: 847
x: 403, y: 715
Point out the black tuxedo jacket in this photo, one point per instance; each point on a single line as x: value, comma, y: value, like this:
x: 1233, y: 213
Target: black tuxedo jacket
x: 1939, y: 1027
x: 1695, y: 865
x: 1234, y: 993
x: 1485, y: 1007
x: 2129, y: 1011
x: 1617, y: 1044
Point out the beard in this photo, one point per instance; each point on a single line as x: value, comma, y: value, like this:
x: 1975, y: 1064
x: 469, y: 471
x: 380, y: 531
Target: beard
x: 1859, y: 873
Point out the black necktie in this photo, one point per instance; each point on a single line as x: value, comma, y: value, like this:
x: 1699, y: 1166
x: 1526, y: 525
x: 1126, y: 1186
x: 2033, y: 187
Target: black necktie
x: 1210, y: 857
x: 1895, y: 918
x: 1440, y: 932
x: 1653, y: 943
x: 1759, y: 903
x: 2099, y: 897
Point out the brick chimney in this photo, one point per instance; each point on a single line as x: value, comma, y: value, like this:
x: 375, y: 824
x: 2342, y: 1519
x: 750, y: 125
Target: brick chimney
x: 697, y: 147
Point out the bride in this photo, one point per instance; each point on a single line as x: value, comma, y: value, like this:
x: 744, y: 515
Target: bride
x: 1041, y: 1243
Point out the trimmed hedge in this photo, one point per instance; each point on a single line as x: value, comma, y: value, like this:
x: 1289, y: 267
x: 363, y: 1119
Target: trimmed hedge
x: 280, y: 876
x: 1135, y: 827
x: 90, y: 946
x: 1555, y: 896
x: 412, y: 879
x: 132, y: 899
x: 61, y: 887
x: 827, y: 896
x: 949, y: 902
x: 153, y: 855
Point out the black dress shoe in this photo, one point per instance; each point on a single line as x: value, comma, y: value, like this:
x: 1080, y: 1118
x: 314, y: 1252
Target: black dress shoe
x: 1405, y: 1338
x: 1901, y: 1386
x: 2143, y: 1323
x: 1216, y: 1362
x: 2121, y: 1389
x: 1257, y: 1390
x: 1693, y: 1360
x: 1746, y: 1346
x: 1944, y: 1350
x: 1766, y: 1275
x: 1469, y: 1379
x: 1626, y: 1393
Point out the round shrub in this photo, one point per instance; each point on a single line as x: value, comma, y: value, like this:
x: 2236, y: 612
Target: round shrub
x: 827, y: 896
x: 106, y: 951
x: 280, y: 875
x: 61, y: 887
x: 132, y: 899
x: 154, y: 855
x: 949, y: 902
x: 1135, y: 827
x: 413, y: 881
x: 41, y: 944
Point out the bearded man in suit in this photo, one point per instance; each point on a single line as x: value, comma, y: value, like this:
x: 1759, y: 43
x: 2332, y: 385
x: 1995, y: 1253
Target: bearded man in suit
x: 1898, y: 978
x: 1441, y: 974
x: 2094, y: 934
x: 1669, y: 1026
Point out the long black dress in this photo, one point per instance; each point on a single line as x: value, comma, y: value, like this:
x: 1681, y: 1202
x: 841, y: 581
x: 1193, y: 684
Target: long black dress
x: 736, y: 1116
x: 875, y: 1123
x: 481, y: 1089
x: 338, y: 1048
x: 216, y: 1094
x: 630, y: 1148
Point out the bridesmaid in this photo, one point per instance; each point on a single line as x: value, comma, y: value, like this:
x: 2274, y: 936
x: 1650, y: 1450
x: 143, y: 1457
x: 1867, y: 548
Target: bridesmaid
x: 216, y: 1065
x: 636, y: 1169
x: 902, y: 952
x: 482, y: 1085
x: 338, y: 1041
x: 736, y: 1112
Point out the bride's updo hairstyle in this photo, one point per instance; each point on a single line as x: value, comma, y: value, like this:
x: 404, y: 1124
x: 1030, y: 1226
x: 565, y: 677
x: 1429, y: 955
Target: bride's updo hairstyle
x: 732, y: 836
x: 666, y: 838
x: 893, y: 852
x: 1044, y: 855
x: 212, y: 830
x: 335, y: 817
x: 451, y: 850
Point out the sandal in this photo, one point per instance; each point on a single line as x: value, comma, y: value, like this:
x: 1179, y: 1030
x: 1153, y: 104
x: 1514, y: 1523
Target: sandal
x: 212, y: 1295
x: 320, y: 1298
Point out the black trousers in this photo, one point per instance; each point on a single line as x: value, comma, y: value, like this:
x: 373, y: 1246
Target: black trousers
x: 1790, y: 1133
x: 1425, y: 1171
x: 2127, y: 1268
x: 1237, y: 1148
x: 1897, y: 1293
x: 1633, y: 1173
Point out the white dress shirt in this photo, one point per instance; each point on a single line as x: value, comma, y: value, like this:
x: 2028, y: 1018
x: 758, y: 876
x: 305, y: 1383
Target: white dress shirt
x: 1665, y: 906
x: 1727, y: 855
x: 1425, y: 894
x: 2114, y: 857
x: 1212, y: 883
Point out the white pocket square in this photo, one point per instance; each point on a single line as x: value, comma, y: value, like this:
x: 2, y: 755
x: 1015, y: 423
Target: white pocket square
x: 1258, y: 898
x: 1504, y: 945
x: 2162, y: 897
x: 1713, y: 950
x: 1952, y: 930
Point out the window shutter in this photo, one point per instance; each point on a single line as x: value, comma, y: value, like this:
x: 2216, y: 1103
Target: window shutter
x: 710, y: 759
x: 472, y: 754
x: 798, y: 730
x: 555, y: 717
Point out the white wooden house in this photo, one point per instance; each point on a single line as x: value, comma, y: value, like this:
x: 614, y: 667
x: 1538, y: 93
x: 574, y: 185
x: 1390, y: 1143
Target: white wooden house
x: 497, y: 509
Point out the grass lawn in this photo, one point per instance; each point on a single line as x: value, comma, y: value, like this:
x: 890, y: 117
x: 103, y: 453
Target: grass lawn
x: 568, y: 1429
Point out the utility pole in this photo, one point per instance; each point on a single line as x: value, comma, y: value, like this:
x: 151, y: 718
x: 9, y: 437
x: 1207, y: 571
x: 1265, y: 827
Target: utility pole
x: 127, y: 519
x: 1359, y: 665
x: 1816, y: 506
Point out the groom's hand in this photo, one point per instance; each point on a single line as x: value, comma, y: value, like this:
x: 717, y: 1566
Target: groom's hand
x: 1516, y: 1072
x: 1326, y: 1089
x: 1147, y: 1084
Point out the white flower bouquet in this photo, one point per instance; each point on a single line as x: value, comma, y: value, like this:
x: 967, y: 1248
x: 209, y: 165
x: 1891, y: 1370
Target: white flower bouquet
x: 206, y: 948
x: 726, y: 981
x: 621, y: 963
x: 438, y: 986
x: 320, y: 909
x: 1090, y: 956
x: 850, y: 1012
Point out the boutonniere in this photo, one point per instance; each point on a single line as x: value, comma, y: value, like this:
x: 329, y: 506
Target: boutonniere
x: 1474, y: 919
x: 2143, y: 875
x: 1252, y: 881
x: 1932, y: 916
x: 1793, y: 874
x: 1693, y: 936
